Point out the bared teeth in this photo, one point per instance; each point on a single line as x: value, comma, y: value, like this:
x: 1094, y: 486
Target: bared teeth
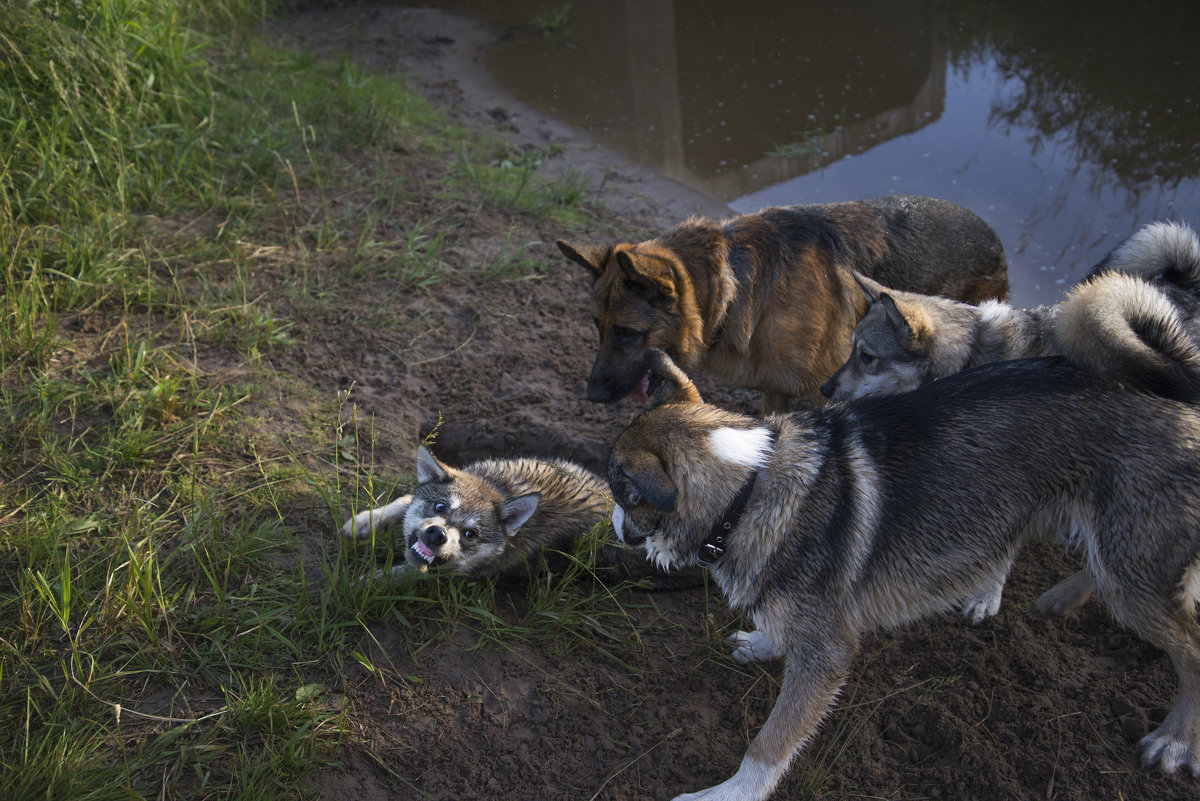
x: 423, y: 551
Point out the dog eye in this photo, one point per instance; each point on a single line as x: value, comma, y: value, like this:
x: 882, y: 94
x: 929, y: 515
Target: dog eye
x: 626, y: 336
x: 469, y: 533
x: 439, y: 507
x: 864, y: 357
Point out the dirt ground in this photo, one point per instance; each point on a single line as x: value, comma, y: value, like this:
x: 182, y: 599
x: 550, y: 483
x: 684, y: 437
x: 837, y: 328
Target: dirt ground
x: 1016, y: 708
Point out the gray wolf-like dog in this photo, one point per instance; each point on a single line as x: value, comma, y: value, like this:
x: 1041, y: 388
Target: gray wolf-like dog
x: 822, y: 526
x: 768, y: 300
x: 1150, y: 281
x: 504, y: 518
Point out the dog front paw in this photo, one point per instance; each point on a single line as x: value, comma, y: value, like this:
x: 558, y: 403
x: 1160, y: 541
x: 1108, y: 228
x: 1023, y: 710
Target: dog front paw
x: 1171, y: 749
x: 357, y: 526
x: 363, y: 523
x: 754, y: 781
x: 984, y: 605
x: 718, y: 793
x: 752, y: 646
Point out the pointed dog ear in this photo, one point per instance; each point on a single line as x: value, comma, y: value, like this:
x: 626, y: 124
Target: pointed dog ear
x: 676, y: 387
x: 870, y: 287
x: 649, y: 276
x: 430, y: 469
x: 649, y: 479
x: 517, y: 512
x: 589, y: 256
x: 905, y: 329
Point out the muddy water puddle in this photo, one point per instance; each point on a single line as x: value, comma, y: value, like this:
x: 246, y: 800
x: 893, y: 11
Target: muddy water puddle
x: 1065, y: 125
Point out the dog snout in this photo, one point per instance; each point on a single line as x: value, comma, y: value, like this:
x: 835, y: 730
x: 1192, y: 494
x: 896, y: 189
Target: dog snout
x: 434, y: 536
x: 830, y: 387
x: 626, y: 533
x: 600, y: 391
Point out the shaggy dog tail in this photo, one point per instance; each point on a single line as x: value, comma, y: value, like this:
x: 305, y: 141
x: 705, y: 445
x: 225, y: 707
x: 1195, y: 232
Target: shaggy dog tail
x: 1163, y: 252
x: 1136, y: 320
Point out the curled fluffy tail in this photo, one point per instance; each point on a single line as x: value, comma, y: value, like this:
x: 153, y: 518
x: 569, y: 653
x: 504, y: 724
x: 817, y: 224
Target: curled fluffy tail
x: 1166, y: 252
x: 1129, y: 329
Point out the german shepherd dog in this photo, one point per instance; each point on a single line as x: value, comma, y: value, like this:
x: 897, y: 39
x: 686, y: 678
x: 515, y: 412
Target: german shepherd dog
x: 822, y: 526
x: 1149, y: 281
x: 767, y: 300
x: 504, y: 518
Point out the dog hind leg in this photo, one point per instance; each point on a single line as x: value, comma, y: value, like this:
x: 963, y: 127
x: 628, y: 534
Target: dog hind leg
x: 1176, y: 743
x: 1066, y: 596
x: 1169, y: 623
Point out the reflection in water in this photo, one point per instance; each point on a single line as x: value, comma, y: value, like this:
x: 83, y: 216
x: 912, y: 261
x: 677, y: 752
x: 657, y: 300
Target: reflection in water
x: 723, y: 98
x: 1064, y: 125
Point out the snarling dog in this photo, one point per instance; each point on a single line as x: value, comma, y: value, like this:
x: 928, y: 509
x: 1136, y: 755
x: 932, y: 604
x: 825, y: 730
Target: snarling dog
x: 767, y: 300
x: 822, y: 526
x: 1150, y: 282
x: 505, y: 518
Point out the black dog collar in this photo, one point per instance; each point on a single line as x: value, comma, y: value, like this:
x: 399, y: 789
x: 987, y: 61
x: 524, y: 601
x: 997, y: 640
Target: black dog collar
x: 714, y: 544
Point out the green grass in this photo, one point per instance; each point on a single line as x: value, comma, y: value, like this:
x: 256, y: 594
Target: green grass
x: 170, y: 186
x: 514, y: 184
x: 553, y: 20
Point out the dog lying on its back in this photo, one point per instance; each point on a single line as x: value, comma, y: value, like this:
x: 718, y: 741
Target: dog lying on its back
x: 503, y: 518
x: 823, y: 526
x: 767, y: 300
x: 1111, y: 322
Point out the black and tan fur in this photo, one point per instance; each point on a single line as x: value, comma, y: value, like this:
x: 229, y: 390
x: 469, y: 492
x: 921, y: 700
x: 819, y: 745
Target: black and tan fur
x: 875, y: 513
x: 1149, y: 283
x: 767, y: 300
x: 505, y: 518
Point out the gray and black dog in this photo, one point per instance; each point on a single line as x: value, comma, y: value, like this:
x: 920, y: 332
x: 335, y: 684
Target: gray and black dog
x: 1141, y: 301
x: 823, y: 526
x: 1149, y: 283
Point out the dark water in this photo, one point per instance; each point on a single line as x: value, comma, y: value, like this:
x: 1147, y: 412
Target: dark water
x: 1065, y: 125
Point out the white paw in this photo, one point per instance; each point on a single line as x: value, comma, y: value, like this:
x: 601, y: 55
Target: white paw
x: 363, y: 523
x: 1165, y: 747
x: 752, y: 782
x: 718, y: 793
x: 984, y: 605
x: 752, y: 646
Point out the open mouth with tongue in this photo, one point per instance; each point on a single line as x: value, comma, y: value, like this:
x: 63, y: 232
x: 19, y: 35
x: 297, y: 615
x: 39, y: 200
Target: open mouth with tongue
x: 646, y: 387
x: 641, y: 392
